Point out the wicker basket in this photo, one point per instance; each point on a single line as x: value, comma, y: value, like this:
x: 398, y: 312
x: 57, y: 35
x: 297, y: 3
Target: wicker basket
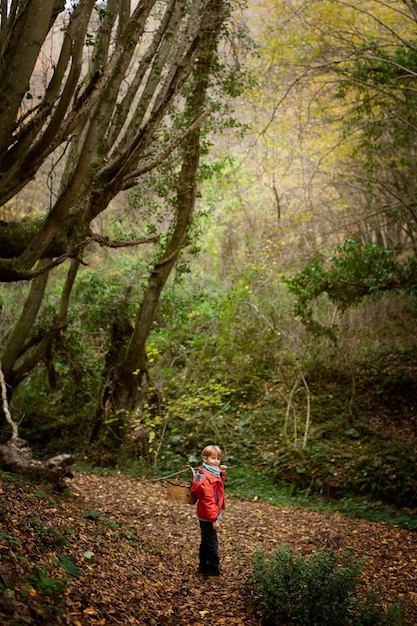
x: 180, y: 491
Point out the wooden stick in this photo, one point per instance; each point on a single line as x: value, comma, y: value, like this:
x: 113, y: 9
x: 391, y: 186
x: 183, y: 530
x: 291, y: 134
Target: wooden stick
x: 185, y: 470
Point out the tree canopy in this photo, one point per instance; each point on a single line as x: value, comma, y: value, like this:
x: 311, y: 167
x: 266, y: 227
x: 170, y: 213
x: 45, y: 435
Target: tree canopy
x: 98, y: 97
x: 88, y: 98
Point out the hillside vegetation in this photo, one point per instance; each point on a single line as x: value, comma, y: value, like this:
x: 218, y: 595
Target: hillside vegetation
x: 346, y: 436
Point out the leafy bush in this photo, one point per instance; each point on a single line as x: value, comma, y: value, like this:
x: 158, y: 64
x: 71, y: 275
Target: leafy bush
x: 352, y: 272
x: 288, y: 588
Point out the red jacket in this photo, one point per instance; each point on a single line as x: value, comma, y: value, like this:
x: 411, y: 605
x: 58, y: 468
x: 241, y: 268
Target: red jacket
x: 209, y: 491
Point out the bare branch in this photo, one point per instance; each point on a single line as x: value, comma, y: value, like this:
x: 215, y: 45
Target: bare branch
x: 10, y: 273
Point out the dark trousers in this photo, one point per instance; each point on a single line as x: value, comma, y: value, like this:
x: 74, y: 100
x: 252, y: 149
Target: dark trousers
x: 209, y: 550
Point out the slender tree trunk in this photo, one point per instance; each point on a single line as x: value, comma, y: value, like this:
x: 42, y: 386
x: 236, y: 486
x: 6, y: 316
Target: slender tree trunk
x: 23, y: 351
x: 124, y: 381
x: 40, y: 346
x: 14, y: 346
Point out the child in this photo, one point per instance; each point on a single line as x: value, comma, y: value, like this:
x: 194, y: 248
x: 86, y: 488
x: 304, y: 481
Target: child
x: 208, y: 486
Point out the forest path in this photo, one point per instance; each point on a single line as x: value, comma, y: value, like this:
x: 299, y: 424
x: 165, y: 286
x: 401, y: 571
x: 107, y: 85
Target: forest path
x: 153, y: 578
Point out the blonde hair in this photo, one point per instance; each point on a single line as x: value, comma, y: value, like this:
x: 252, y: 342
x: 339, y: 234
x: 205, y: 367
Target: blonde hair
x: 211, y: 451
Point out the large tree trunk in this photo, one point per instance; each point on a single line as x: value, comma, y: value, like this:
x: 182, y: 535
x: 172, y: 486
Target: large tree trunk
x: 121, y: 331
x: 130, y: 377
x: 124, y: 379
x: 108, y: 117
x: 106, y: 123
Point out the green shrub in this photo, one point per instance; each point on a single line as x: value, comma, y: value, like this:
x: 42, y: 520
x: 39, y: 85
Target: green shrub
x: 288, y: 588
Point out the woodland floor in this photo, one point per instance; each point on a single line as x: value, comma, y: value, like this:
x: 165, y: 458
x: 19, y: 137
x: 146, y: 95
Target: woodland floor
x: 136, y: 554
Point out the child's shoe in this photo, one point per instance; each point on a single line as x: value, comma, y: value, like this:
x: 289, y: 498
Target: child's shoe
x: 215, y: 578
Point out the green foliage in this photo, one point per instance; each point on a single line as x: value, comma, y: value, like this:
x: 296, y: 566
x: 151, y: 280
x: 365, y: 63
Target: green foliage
x: 382, y: 470
x: 93, y: 515
x: 68, y: 565
x: 389, y: 477
x: 47, y: 534
x: 223, y: 359
x: 378, y: 82
x: 382, y: 80
x: 352, y: 272
x: 193, y: 402
x: 259, y: 484
x: 319, y: 590
x: 99, y: 295
x: 58, y: 399
x: 51, y: 588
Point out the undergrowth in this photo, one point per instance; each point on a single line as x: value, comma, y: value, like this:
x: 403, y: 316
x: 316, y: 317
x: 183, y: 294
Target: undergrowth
x: 320, y: 590
x: 245, y: 482
x: 358, y: 456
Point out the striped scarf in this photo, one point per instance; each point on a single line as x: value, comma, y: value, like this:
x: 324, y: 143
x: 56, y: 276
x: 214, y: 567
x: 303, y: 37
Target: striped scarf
x: 215, y: 471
